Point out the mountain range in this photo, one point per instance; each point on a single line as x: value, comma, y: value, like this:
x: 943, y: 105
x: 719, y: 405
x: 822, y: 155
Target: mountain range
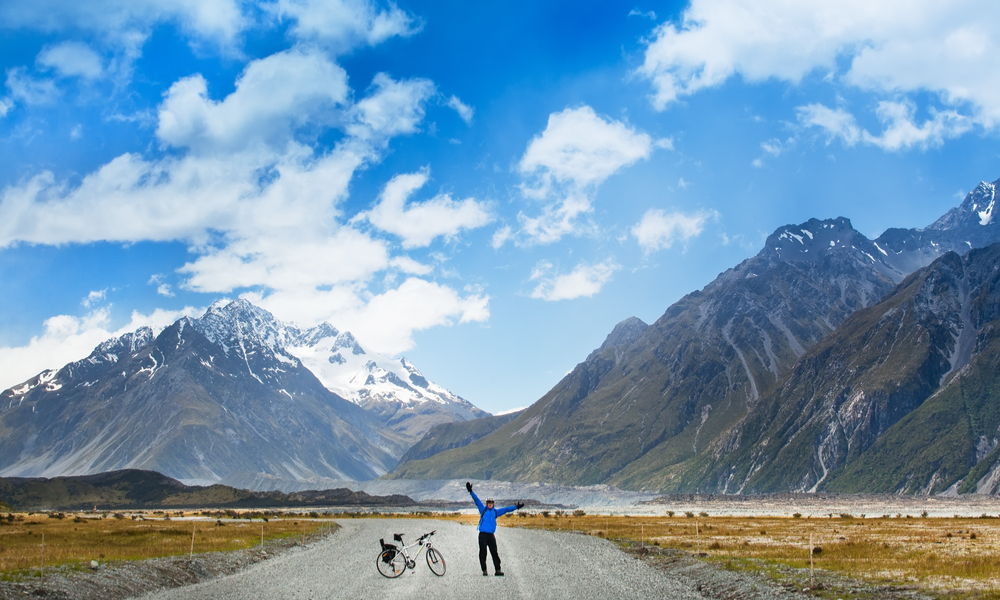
x: 825, y: 362
x: 222, y: 394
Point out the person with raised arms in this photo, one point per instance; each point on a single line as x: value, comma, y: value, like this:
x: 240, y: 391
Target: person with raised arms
x: 487, y: 528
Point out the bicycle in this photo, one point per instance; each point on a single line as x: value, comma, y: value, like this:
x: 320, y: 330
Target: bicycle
x: 392, y: 560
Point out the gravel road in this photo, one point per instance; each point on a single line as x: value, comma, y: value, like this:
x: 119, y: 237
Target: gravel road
x: 538, y: 564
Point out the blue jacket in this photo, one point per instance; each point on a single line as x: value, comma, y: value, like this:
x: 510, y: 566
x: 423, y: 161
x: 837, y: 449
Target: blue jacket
x: 488, y: 518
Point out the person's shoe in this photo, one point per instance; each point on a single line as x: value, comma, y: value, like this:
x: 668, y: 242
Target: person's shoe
x: 485, y: 573
x: 499, y: 573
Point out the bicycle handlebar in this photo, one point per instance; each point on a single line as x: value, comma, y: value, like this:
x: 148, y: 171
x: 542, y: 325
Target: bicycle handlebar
x: 426, y: 535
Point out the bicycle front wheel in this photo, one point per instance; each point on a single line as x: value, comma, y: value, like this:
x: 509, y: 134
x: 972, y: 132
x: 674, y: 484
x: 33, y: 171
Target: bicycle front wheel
x: 390, y: 563
x: 435, y: 561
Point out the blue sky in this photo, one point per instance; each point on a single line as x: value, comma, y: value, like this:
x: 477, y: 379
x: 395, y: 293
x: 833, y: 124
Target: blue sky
x: 485, y: 188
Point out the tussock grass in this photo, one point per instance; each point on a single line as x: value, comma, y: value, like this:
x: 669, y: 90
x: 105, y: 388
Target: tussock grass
x: 78, y: 538
x: 949, y: 557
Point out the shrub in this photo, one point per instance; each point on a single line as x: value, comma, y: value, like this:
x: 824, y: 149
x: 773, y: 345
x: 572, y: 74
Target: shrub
x: 796, y: 515
x: 703, y: 514
x: 670, y: 513
x: 579, y: 513
x: 846, y: 516
x: 545, y: 513
x: 689, y: 514
x: 923, y: 515
x: 119, y: 516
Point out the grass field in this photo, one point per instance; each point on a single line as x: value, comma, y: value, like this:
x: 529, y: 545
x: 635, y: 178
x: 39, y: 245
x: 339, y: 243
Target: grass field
x: 949, y: 557
x: 78, y: 538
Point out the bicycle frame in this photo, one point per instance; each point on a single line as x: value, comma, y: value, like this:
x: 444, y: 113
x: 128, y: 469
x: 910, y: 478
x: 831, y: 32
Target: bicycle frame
x: 409, y: 561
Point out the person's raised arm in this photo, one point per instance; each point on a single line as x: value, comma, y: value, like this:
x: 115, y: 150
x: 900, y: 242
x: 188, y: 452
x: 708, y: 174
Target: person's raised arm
x: 479, y: 503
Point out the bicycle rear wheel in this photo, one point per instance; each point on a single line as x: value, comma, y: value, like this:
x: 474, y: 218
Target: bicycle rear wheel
x: 435, y: 561
x: 390, y: 563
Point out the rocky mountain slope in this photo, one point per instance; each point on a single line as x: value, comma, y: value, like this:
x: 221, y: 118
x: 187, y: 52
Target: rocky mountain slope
x: 392, y: 389
x: 203, y: 398
x: 649, y: 411
x: 446, y: 436
x: 855, y: 414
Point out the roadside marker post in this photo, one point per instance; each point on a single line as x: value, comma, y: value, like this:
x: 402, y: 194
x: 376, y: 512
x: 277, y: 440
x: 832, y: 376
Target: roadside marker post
x: 697, y: 536
x: 41, y: 573
x: 191, y: 555
x: 811, y: 560
x: 261, y: 537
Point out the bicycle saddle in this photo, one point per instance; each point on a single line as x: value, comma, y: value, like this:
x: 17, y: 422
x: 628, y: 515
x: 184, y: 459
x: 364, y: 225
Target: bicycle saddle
x: 398, y: 537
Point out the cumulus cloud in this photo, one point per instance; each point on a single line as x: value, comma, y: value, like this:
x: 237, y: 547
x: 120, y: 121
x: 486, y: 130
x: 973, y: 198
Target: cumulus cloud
x: 386, y: 322
x: 658, y: 230
x: 66, y: 338
x: 419, y: 223
x: 274, y: 97
x: 343, y: 24
x: 945, y: 48
x: 583, y: 281
x: 71, y: 59
x: 564, y: 165
x: 580, y: 148
x: 94, y: 297
x: 391, y: 108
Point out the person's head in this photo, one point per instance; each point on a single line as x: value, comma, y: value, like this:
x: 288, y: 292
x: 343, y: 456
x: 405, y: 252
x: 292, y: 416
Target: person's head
x: 489, y: 503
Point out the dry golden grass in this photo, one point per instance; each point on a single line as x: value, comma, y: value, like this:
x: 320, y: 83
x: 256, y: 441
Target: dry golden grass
x: 959, y: 556
x: 80, y: 538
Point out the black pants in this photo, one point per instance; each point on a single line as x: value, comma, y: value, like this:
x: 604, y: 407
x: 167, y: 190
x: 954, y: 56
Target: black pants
x: 488, y: 540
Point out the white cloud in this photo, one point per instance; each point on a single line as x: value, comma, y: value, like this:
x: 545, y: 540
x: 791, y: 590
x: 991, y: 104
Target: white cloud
x: 901, y: 131
x: 580, y: 148
x: 501, y: 236
x: 658, y: 230
x: 583, y: 281
x: 5, y: 106
x: 410, y: 266
x: 464, y: 111
x: 94, y: 297
x: 71, y: 59
x: 66, y: 338
x: 419, y: 223
x: 30, y: 90
x: 386, y: 322
x: 392, y: 108
x: 946, y: 48
x: 565, y: 164
x: 558, y: 219
x: 343, y: 24
x: 274, y: 97
x: 837, y: 123
x: 635, y: 12
x: 77, y: 132
x: 208, y: 20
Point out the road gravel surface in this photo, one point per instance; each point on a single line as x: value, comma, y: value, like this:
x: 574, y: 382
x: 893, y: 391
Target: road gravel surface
x: 537, y: 564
